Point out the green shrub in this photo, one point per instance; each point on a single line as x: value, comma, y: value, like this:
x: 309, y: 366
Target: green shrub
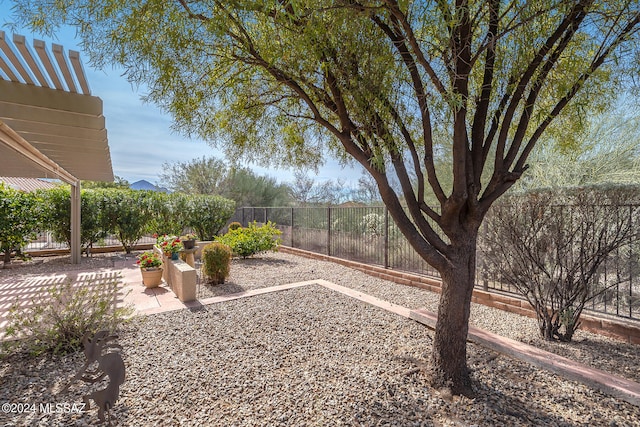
x: 206, y: 215
x: 20, y: 215
x: 251, y: 240
x: 57, y: 215
x: 216, y: 262
x: 167, y: 212
x: 57, y: 320
x: 127, y: 213
x: 235, y: 225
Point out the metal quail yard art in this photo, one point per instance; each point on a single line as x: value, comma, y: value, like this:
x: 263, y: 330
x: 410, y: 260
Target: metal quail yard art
x: 101, y: 350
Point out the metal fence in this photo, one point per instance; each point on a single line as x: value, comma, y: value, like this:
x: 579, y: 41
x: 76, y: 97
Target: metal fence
x: 369, y: 235
x: 44, y: 241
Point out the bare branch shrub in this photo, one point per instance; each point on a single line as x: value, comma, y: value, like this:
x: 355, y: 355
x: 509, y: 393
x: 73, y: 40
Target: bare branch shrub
x: 56, y: 320
x: 553, y: 246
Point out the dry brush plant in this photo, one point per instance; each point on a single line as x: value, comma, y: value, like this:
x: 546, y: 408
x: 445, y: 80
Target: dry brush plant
x: 553, y: 248
x: 56, y: 320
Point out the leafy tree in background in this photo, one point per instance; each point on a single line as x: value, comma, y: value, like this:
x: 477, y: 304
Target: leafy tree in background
x: 248, y: 189
x: 367, y: 190
x: 198, y: 176
x: 118, y: 182
x: 211, y: 176
x: 20, y: 216
x: 127, y: 214
x: 307, y: 191
x: 609, y: 152
x: 391, y: 84
x: 168, y: 213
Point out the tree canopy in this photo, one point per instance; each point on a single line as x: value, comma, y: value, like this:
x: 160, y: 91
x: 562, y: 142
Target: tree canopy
x: 213, y: 177
x: 392, y: 84
x: 609, y: 153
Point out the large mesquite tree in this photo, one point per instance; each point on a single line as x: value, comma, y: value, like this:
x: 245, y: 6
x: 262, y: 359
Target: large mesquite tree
x: 395, y: 85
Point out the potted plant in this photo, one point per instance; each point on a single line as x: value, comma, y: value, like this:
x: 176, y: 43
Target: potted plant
x: 170, y: 246
x: 189, y: 240
x: 151, y: 268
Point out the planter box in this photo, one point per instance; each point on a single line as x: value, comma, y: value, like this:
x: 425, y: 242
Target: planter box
x: 181, y: 278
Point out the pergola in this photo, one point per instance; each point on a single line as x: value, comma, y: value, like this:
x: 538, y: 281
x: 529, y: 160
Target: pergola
x: 50, y: 125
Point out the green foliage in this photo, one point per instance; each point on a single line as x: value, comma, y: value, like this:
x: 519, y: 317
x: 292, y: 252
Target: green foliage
x: 20, y: 216
x: 130, y: 214
x: 216, y: 262
x: 248, y: 189
x: 167, y: 212
x: 56, y: 321
x: 251, y: 240
x: 198, y: 176
x: 235, y: 225
x: 127, y: 213
x: 57, y: 202
x: 118, y: 182
x: 212, y: 177
x: 207, y: 214
x: 57, y: 215
x: 609, y: 152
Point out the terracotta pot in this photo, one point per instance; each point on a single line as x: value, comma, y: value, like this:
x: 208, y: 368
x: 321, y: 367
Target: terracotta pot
x: 151, y: 277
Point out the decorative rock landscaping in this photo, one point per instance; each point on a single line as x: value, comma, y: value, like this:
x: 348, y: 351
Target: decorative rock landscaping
x: 311, y: 356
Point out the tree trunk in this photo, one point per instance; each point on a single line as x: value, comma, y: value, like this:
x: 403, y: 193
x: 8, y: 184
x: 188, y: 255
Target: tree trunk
x: 449, y: 358
x: 7, y: 256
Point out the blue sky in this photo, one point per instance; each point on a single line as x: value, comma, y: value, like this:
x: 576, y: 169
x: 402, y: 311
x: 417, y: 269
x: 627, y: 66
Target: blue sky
x: 140, y: 138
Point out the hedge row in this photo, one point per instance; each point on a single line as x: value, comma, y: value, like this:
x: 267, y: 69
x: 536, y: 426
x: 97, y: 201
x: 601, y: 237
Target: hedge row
x: 127, y: 214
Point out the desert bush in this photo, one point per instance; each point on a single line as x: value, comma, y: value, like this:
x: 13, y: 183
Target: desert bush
x: 57, y: 320
x: 552, y: 247
x: 372, y: 225
x: 216, y: 262
x: 235, y: 225
x: 206, y: 215
x: 251, y: 240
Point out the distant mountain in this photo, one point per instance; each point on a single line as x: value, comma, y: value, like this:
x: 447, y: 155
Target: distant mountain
x: 146, y: 185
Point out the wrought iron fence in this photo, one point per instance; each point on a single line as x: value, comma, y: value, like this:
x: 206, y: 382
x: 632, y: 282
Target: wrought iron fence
x: 369, y: 235
x: 45, y: 241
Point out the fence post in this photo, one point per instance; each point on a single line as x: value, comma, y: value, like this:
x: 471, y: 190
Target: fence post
x: 386, y: 237
x: 483, y: 267
x: 329, y: 230
x: 292, y: 228
x: 631, y: 244
x: 265, y: 215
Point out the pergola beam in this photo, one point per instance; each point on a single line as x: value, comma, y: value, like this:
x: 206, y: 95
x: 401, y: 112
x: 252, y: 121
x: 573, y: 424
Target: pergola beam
x: 48, y: 129
x: 13, y: 140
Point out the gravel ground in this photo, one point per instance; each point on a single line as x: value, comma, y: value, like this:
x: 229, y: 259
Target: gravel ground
x: 309, y: 356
